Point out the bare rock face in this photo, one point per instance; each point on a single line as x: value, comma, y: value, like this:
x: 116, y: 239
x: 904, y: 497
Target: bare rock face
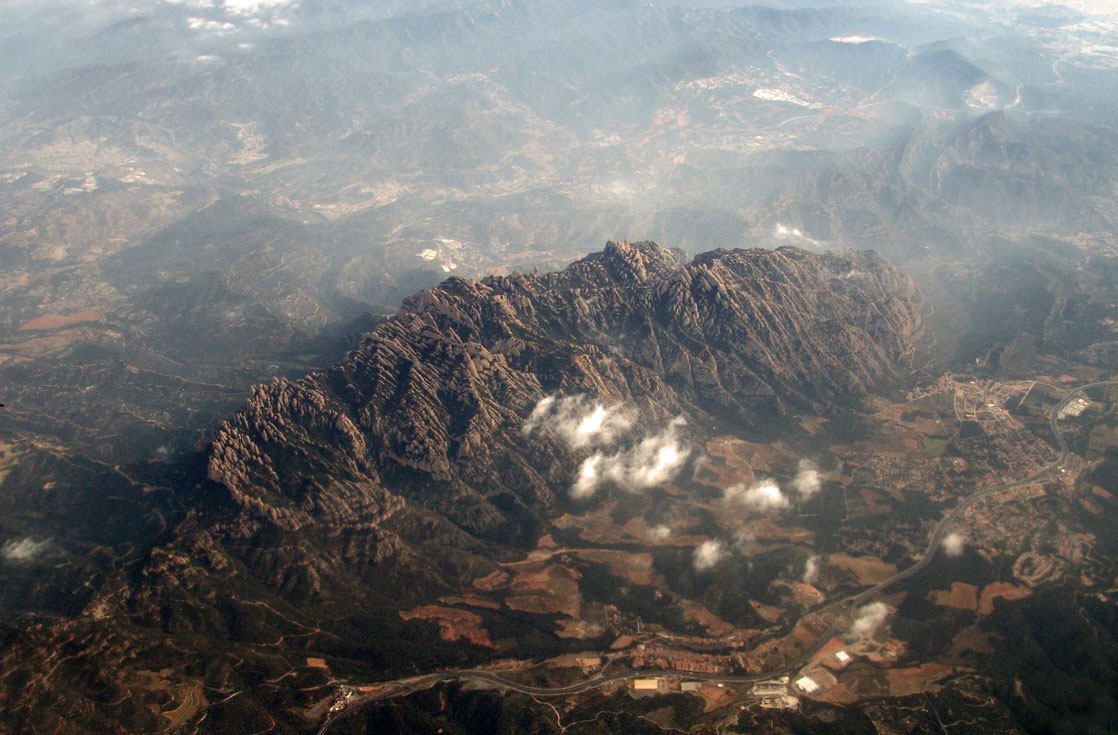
x: 429, y: 407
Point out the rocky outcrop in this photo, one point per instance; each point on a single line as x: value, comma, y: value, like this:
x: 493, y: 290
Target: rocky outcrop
x: 429, y: 406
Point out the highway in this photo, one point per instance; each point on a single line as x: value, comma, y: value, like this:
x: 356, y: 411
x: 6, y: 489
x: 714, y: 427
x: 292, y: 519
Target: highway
x: 851, y: 603
x: 414, y: 685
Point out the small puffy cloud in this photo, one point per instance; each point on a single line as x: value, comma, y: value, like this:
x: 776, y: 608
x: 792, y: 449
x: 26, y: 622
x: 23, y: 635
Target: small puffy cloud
x: 212, y: 26
x: 596, y: 424
x: 795, y: 234
x: 588, y: 478
x: 579, y: 421
x: 744, y: 539
x: 811, y: 570
x: 700, y: 464
x: 807, y: 482
x: 654, y: 460
x: 540, y: 411
x: 868, y: 619
x: 223, y: 17
x: 708, y: 554
x: 236, y: 7
x: 763, y: 495
x: 954, y: 543
x: 660, y: 532
x: 252, y: 7
x: 24, y: 550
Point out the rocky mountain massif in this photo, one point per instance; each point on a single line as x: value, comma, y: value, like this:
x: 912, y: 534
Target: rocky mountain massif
x: 404, y: 472
x: 431, y: 403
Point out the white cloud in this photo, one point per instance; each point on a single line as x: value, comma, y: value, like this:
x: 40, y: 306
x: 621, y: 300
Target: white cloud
x: 222, y: 17
x: 253, y: 7
x: 868, y: 619
x: 744, y: 539
x: 579, y: 421
x: 23, y: 550
x: 807, y: 481
x: 700, y: 464
x: 588, y: 478
x: 763, y: 495
x: 660, y: 532
x: 954, y: 543
x: 708, y: 554
x: 811, y: 570
x: 236, y: 7
x: 654, y: 460
x: 213, y: 26
x: 794, y: 234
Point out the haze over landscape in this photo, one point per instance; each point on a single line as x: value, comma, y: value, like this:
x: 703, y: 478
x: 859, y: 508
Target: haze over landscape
x: 557, y: 366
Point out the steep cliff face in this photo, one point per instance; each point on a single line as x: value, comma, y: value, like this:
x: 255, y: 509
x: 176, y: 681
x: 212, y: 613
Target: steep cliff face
x: 431, y: 403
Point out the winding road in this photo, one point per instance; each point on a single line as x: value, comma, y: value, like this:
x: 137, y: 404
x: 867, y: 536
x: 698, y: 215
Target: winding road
x: 852, y: 602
